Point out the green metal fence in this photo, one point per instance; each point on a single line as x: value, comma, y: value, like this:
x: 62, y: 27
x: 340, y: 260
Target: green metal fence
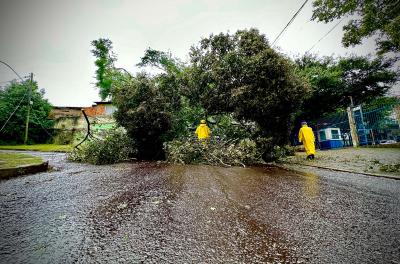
x: 374, y: 125
x: 382, y: 123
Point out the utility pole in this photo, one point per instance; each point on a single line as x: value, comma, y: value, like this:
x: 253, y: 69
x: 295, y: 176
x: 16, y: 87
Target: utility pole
x: 352, y: 124
x: 29, y: 108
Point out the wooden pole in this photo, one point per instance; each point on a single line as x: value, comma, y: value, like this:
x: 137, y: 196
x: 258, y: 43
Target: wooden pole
x: 353, y: 130
x: 29, y: 109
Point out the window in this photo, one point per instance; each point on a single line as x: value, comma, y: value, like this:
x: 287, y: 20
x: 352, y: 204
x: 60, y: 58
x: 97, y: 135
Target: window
x: 335, y: 134
x: 322, y: 135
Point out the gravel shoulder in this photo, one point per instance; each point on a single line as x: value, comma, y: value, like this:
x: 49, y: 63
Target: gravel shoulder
x: 372, y: 161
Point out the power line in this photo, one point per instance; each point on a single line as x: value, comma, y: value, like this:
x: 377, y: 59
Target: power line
x: 40, y: 123
x: 16, y: 108
x: 325, y: 35
x: 12, y: 70
x: 290, y: 21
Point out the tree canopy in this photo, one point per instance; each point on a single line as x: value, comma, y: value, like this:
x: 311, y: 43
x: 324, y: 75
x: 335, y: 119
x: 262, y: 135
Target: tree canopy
x: 39, y: 124
x: 380, y: 18
x: 105, y: 58
x: 238, y: 81
x: 333, y: 81
x: 241, y: 73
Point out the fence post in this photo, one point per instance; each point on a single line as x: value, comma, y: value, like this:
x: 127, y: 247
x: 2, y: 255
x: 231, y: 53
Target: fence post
x: 353, y: 130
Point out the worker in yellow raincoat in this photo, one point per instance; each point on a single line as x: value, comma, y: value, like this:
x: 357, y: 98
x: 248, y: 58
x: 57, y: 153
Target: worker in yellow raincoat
x: 203, y: 131
x: 306, y: 135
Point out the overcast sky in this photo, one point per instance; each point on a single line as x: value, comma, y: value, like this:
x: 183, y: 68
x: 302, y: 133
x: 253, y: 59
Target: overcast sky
x: 51, y: 38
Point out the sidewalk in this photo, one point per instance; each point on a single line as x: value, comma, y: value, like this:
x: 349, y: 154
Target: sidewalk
x: 370, y: 161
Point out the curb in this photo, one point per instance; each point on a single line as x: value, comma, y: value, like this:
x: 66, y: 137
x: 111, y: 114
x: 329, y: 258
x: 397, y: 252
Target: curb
x: 342, y: 170
x: 23, y: 170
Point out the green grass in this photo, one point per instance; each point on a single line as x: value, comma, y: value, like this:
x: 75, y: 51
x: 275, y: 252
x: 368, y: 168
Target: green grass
x: 12, y: 160
x: 40, y: 147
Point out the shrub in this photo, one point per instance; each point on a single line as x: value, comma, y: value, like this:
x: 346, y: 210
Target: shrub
x: 271, y: 152
x: 113, y: 148
x: 64, y: 137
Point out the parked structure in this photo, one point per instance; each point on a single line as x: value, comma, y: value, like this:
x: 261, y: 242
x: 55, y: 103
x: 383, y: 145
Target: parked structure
x: 330, y: 138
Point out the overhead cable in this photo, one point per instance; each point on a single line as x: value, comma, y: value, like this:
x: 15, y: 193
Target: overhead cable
x: 325, y: 35
x: 290, y: 22
x: 16, y: 108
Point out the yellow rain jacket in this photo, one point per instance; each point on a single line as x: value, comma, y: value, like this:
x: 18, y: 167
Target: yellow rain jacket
x: 203, y: 131
x: 306, y: 135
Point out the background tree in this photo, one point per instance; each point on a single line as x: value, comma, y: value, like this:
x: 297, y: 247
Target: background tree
x: 240, y: 73
x: 162, y: 61
x: 39, y: 124
x: 334, y: 80
x: 379, y: 18
x: 105, y: 72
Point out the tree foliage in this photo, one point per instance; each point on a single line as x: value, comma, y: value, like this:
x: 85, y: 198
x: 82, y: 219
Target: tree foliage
x: 371, y: 17
x: 161, y: 60
x: 115, y: 146
x: 39, y: 124
x: 237, y: 80
x: 333, y: 81
x: 105, y: 58
x: 146, y: 111
x: 241, y: 73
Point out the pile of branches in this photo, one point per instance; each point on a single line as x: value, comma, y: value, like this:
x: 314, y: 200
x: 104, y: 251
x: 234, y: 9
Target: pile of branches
x: 213, y: 152
x: 107, y: 147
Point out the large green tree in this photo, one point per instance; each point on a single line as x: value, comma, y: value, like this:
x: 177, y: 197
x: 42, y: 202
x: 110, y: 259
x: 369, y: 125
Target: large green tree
x: 106, y: 73
x: 40, y: 126
x: 242, y: 74
x: 148, y: 106
x: 333, y: 81
x: 105, y: 58
x: 371, y: 18
x: 146, y: 112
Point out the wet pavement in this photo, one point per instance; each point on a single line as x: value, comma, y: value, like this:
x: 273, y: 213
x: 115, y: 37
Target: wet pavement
x: 160, y: 213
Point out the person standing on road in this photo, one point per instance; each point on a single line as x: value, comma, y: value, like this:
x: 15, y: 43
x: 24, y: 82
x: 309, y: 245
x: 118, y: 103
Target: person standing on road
x: 203, y: 131
x: 306, y: 136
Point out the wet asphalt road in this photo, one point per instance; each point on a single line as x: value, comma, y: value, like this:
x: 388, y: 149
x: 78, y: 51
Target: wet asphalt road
x: 158, y: 213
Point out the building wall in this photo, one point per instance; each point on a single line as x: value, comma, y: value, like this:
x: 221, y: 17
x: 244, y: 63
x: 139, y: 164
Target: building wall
x: 58, y: 112
x: 110, y: 109
x: 95, y: 110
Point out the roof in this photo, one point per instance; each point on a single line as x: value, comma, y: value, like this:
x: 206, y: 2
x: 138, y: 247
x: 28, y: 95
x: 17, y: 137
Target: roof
x: 67, y: 107
x: 104, y: 102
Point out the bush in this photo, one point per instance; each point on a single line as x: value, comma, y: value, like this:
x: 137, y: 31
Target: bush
x: 115, y: 147
x: 213, y: 152
x: 64, y: 137
x: 271, y: 152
